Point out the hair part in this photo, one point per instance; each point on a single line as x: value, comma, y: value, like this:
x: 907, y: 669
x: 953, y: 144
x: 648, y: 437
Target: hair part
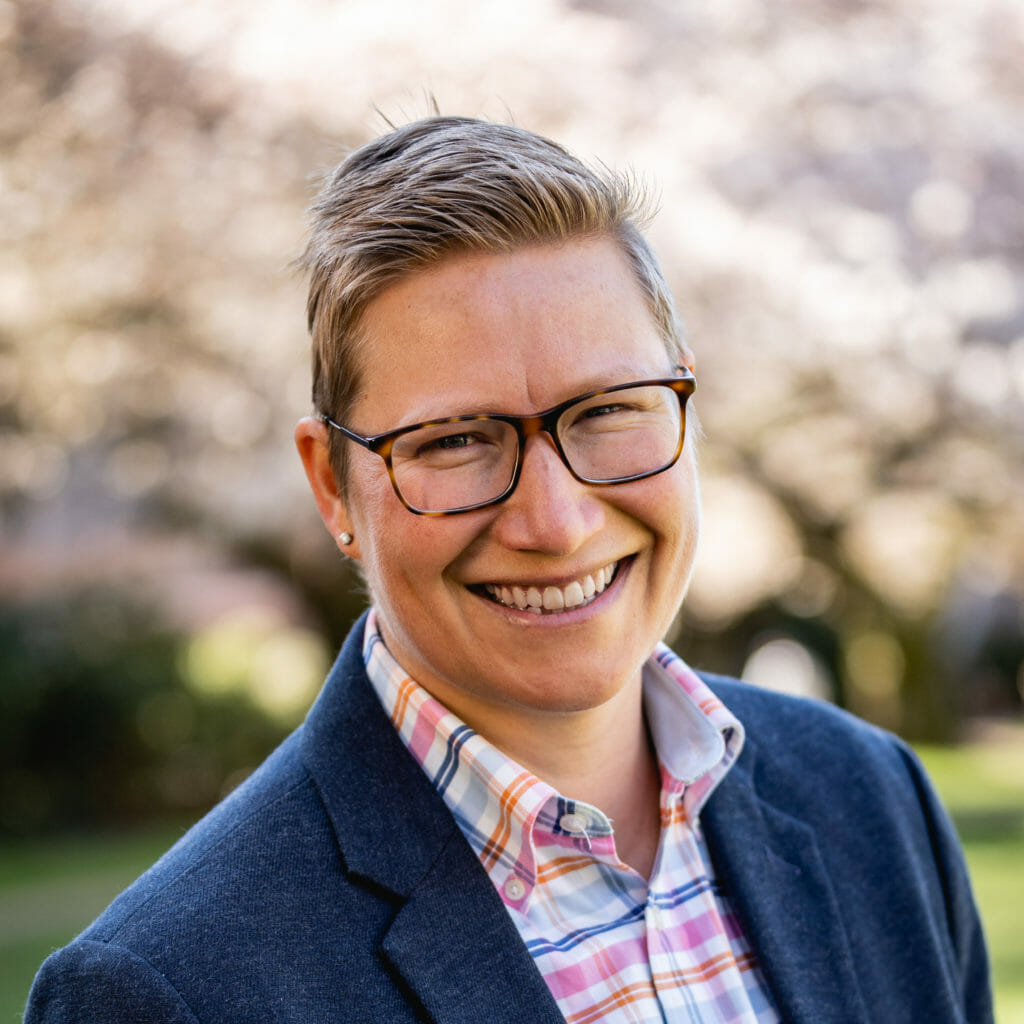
x: 442, y: 186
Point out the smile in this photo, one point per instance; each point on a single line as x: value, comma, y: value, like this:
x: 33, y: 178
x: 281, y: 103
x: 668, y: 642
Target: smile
x: 547, y: 598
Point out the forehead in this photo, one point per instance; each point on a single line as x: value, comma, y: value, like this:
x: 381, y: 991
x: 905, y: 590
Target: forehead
x: 505, y: 332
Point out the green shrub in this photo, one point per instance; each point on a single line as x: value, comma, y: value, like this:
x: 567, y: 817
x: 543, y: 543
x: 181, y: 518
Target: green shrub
x: 97, y: 722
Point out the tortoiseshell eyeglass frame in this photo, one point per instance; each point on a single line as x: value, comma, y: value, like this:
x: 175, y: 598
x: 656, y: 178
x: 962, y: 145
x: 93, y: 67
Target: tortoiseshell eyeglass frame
x: 525, y: 427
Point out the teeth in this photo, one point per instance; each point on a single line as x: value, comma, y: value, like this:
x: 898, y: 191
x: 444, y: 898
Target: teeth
x: 551, y: 598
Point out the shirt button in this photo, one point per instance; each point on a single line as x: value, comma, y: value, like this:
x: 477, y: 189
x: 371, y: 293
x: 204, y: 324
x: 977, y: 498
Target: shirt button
x: 574, y: 823
x: 514, y: 888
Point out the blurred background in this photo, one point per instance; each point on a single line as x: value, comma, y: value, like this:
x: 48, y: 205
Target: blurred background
x: 842, y: 192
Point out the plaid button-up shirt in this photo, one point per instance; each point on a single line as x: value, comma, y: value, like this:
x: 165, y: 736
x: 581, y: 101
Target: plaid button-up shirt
x: 610, y: 945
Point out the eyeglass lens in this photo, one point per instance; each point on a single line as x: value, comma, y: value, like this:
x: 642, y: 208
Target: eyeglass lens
x: 605, y: 438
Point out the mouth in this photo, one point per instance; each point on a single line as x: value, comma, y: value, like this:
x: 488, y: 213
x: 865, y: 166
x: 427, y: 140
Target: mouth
x: 545, y: 599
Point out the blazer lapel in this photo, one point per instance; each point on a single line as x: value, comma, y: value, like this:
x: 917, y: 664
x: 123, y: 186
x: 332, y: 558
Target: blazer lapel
x: 451, y: 941
x: 458, y: 949
x: 769, y: 865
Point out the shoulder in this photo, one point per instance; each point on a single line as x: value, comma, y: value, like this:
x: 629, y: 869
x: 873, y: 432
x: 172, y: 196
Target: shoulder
x: 776, y: 713
x: 794, y: 733
x: 270, y: 828
x: 242, y: 920
x: 861, y: 788
x: 810, y: 758
x: 272, y: 906
x: 195, y: 907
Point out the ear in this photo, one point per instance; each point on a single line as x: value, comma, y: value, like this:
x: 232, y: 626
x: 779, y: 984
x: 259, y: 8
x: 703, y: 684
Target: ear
x: 311, y: 441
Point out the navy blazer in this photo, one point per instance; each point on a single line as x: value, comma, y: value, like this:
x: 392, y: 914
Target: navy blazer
x: 335, y: 886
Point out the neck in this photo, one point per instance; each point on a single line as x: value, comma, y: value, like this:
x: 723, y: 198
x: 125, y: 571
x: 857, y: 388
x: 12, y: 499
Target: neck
x: 603, y: 757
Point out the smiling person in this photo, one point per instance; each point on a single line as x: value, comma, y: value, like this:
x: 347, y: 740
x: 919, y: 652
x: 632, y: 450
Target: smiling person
x: 511, y: 802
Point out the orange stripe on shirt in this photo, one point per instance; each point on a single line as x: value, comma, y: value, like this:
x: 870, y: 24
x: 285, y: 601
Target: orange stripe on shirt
x: 407, y: 689
x: 492, y: 849
x: 703, y: 972
x: 634, y: 993
x: 559, y: 866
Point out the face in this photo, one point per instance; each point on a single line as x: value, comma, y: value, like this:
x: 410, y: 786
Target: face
x: 514, y: 333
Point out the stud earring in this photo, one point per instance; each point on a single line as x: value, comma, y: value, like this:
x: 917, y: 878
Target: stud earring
x: 346, y: 537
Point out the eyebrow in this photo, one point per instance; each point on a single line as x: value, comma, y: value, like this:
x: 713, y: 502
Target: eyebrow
x: 605, y: 379
x: 621, y: 374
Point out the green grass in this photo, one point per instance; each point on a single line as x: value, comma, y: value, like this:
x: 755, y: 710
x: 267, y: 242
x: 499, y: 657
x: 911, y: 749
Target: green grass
x: 49, y: 890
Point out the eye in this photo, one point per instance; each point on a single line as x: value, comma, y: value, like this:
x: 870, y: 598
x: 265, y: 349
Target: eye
x: 608, y: 415
x: 603, y: 410
x: 449, y: 442
x: 619, y: 413
x: 452, y: 445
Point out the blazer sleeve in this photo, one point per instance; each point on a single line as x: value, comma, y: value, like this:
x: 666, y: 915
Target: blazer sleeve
x: 92, y: 982
x: 964, y: 923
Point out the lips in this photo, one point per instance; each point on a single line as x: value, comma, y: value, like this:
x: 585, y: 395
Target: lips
x: 545, y: 599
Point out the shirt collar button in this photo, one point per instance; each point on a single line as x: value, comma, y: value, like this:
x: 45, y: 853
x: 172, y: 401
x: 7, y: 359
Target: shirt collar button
x: 575, y: 824
x: 514, y: 889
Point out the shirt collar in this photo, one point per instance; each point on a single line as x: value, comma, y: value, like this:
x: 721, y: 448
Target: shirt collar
x: 696, y: 737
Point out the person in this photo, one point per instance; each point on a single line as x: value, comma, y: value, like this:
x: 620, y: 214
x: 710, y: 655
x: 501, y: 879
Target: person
x: 511, y: 802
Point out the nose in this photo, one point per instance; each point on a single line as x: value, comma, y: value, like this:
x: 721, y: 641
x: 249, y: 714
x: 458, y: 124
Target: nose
x: 549, y: 510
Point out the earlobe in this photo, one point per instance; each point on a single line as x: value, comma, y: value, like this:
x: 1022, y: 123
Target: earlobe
x: 311, y: 442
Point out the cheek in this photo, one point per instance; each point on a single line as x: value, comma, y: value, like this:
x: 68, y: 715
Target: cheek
x: 376, y: 516
x: 678, y: 518
x: 404, y: 556
x: 678, y: 501
x: 675, y: 555
x: 694, y: 509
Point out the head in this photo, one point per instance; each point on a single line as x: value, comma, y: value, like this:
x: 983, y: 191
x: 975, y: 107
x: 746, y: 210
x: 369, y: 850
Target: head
x: 443, y: 186
x: 466, y: 269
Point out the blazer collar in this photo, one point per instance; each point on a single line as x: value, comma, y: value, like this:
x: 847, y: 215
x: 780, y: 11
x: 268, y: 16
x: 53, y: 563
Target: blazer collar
x: 451, y: 940
x: 770, y: 865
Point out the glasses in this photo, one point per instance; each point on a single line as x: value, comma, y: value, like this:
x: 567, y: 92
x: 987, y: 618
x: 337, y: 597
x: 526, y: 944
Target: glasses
x: 461, y: 463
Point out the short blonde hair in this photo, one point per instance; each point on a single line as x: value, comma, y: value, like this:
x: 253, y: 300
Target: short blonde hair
x: 446, y: 185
